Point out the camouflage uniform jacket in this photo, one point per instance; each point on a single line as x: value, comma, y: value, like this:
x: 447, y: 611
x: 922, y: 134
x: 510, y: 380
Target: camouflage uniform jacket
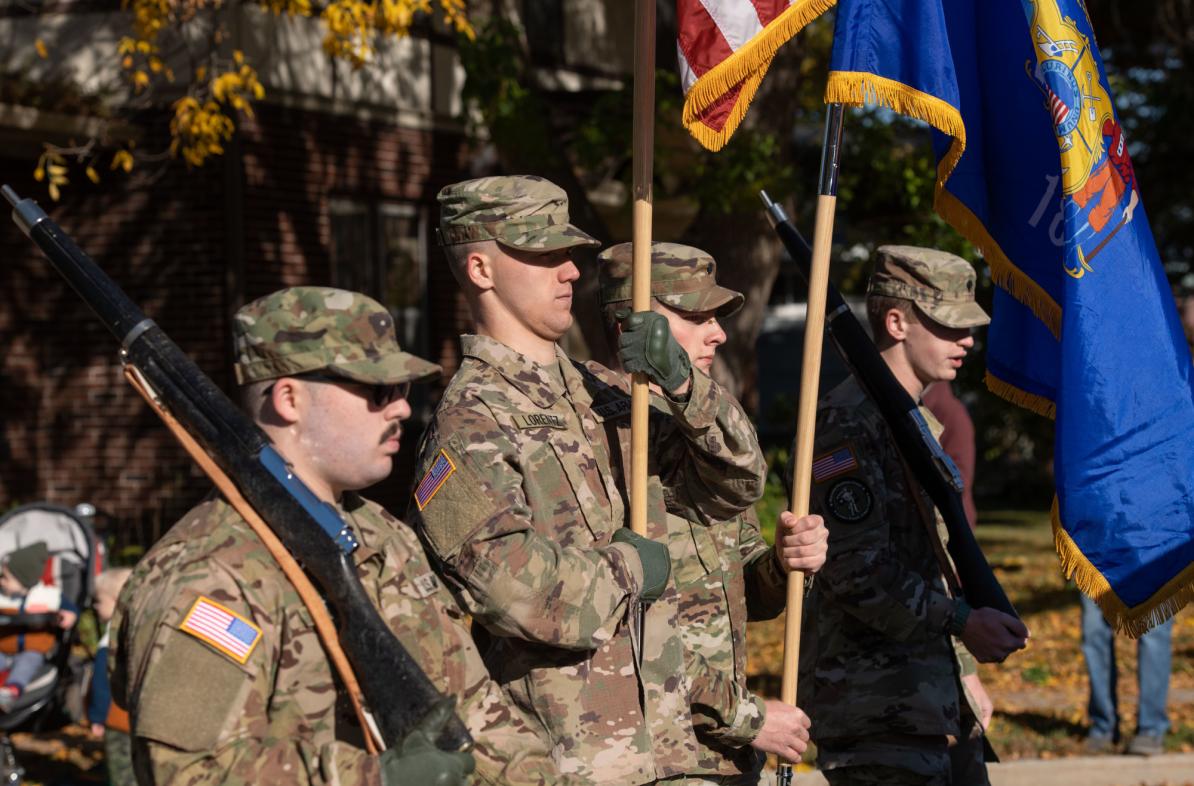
x: 876, y: 655
x: 519, y: 501
x: 723, y: 571
x: 200, y: 716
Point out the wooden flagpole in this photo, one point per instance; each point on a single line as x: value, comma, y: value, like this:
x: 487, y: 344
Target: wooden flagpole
x: 640, y: 295
x: 810, y: 380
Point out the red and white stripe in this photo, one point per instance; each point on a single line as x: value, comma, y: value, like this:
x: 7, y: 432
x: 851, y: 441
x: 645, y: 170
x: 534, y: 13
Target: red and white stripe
x: 1058, y: 108
x: 724, y: 48
x: 712, y: 30
x: 212, y: 623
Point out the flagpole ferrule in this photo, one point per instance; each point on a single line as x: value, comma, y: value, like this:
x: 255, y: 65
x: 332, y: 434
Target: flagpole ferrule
x: 831, y: 150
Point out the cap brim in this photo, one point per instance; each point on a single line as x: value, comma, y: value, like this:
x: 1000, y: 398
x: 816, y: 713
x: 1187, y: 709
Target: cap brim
x: 724, y: 302
x: 955, y: 315
x: 551, y: 238
x: 389, y: 370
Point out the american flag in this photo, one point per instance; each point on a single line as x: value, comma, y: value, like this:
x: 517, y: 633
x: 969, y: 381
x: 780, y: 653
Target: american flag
x: 835, y: 463
x: 724, y: 48
x: 441, y: 469
x: 223, y: 629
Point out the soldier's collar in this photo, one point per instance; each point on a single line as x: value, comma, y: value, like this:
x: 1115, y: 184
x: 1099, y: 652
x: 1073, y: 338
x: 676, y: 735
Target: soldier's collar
x: 524, y: 374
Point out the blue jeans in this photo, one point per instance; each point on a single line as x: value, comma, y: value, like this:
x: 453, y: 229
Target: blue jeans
x: 1153, y: 659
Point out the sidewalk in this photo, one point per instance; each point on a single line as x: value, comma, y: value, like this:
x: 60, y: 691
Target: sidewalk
x: 1172, y: 769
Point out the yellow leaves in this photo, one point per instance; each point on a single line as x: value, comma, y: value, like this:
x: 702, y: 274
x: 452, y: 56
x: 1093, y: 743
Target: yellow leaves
x: 455, y: 14
x: 122, y: 159
x: 92, y: 175
x: 288, y: 7
x: 199, y: 130
x: 140, y: 80
x: 238, y: 88
x: 353, y: 25
x: 349, y: 24
x: 51, y: 167
x: 42, y: 51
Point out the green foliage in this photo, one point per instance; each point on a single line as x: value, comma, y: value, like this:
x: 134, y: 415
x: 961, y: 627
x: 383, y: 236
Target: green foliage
x: 726, y: 182
x: 775, y: 495
x: 495, y: 80
x: 1036, y: 675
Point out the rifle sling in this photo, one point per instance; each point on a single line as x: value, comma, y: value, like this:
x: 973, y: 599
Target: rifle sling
x: 929, y: 517
x: 293, y: 572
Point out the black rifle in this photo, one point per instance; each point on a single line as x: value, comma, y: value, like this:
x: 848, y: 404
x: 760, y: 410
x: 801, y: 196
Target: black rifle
x: 396, y: 690
x: 933, y: 470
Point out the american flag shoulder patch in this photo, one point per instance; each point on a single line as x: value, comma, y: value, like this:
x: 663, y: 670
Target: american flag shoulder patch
x: 437, y: 474
x: 222, y: 628
x: 834, y: 463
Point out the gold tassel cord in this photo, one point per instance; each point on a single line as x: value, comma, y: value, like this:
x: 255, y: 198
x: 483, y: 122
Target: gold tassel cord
x: 1132, y: 621
x: 746, y: 67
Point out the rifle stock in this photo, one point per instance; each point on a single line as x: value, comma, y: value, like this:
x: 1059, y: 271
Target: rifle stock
x: 923, y: 455
x: 394, y: 686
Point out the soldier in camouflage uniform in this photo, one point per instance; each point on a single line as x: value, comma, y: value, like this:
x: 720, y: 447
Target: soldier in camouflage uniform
x: 886, y: 672
x: 520, y: 505
x: 724, y: 572
x: 323, y: 376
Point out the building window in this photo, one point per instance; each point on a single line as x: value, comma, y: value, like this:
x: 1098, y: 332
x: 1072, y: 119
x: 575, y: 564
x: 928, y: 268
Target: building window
x: 380, y: 248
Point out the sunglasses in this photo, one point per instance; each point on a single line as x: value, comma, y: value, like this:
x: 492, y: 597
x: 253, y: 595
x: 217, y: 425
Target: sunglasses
x: 380, y: 394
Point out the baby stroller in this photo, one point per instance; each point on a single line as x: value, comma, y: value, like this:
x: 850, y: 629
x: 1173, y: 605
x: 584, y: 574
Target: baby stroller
x: 69, y: 536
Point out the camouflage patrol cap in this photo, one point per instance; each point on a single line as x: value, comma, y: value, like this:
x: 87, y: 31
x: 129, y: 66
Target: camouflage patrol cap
x: 302, y: 329
x: 682, y: 277
x: 939, y: 283
x: 522, y: 212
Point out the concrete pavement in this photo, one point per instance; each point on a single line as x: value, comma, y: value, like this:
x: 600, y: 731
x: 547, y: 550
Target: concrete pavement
x: 1171, y: 769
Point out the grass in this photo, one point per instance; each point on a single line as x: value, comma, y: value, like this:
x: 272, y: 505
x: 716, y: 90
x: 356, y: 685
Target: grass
x: 1040, y: 694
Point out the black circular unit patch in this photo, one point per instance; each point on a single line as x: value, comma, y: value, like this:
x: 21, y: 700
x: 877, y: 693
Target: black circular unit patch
x: 849, y: 500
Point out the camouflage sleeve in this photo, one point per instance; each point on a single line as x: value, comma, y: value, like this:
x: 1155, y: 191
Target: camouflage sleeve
x: 508, y: 749
x: 765, y: 579
x: 861, y: 573
x: 722, y: 708
x: 514, y: 580
x: 710, y: 465
x: 201, y: 716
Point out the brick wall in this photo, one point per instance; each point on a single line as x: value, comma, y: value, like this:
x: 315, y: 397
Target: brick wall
x: 189, y: 247
x: 73, y: 430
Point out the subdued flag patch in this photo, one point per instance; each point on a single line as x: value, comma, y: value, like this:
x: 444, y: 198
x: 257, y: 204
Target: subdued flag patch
x: 441, y: 469
x: 833, y: 464
x: 222, y: 628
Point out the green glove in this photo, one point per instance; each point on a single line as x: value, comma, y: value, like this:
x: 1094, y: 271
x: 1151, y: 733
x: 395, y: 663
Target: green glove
x: 417, y: 762
x: 657, y: 564
x: 646, y: 346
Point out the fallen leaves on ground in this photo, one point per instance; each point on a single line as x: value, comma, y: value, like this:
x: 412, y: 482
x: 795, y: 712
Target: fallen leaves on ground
x: 1040, y: 693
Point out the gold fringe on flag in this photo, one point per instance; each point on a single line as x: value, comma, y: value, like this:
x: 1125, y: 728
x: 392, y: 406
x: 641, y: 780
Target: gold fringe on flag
x: 1134, y: 621
x: 857, y: 88
x: 1004, y: 272
x: 1021, y: 398
x: 745, y: 67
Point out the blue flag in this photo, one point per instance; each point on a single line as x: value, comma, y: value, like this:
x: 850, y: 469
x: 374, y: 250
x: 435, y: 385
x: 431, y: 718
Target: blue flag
x: 1033, y: 168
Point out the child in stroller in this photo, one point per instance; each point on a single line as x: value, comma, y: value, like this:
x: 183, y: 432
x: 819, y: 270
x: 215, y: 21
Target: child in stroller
x: 53, y: 694
x: 31, y: 584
